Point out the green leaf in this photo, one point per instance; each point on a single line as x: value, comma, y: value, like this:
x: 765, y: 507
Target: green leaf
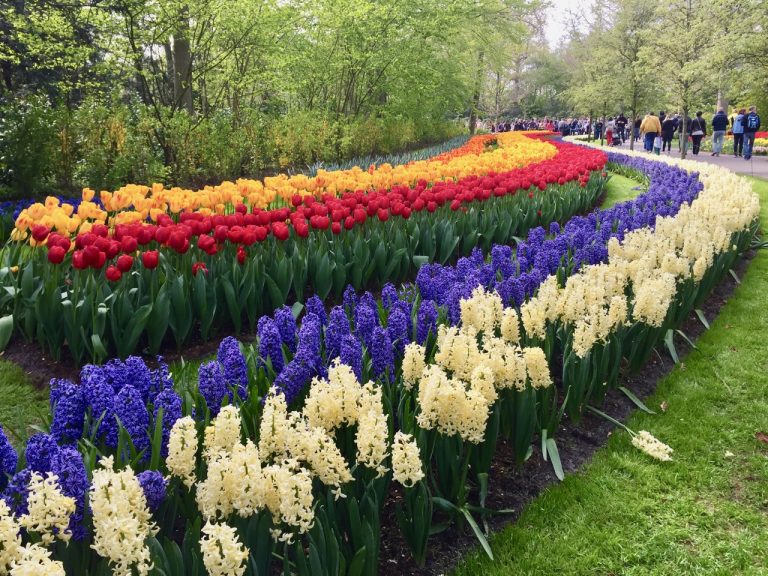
x: 478, y: 532
x: 6, y: 330
x: 636, y: 400
x: 669, y: 340
x: 700, y: 314
x: 555, y: 457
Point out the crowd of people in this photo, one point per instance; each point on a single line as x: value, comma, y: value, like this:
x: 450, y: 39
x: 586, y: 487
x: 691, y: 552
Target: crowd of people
x: 656, y: 132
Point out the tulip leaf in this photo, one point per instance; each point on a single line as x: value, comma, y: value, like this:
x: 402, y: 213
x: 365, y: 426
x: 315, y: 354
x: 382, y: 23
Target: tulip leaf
x: 6, y: 330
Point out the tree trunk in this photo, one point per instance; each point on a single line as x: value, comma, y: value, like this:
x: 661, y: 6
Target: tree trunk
x: 182, y: 64
x: 684, y: 134
x: 632, y: 130
x: 476, y: 95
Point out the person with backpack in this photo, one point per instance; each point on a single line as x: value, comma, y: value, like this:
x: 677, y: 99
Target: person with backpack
x: 737, y: 127
x: 698, y: 131
x: 751, y: 125
x: 667, y: 133
x: 719, y: 126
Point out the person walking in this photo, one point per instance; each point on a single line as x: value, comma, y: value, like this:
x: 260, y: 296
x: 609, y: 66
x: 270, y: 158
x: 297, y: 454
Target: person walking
x: 667, y: 133
x: 610, y: 131
x: 737, y: 127
x: 621, y: 126
x: 636, y: 128
x: 698, y: 132
x: 719, y: 126
x: 751, y: 125
x: 650, y: 127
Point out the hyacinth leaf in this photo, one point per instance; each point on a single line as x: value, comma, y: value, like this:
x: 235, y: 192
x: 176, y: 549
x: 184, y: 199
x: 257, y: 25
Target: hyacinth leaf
x: 734, y: 275
x: 555, y: 456
x: 544, y: 444
x: 157, y: 441
x: 669, y: 340
x: 476, y: 529
x: 6, y: 329
x: 700, y: 314
x: 685, y: 337
x: 357, y: 564
x: 419, y: 260
x: 635, y: 400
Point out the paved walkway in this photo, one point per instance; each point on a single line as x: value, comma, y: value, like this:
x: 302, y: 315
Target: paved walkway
x: 757, y: 166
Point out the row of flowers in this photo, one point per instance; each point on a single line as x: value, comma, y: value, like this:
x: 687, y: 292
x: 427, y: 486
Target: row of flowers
x: 179, y: 280
x: 133, y: 203
x: 280, y: 458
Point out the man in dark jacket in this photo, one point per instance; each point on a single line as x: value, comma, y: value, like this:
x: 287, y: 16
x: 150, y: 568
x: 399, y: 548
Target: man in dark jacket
x: 751, y: 125
x: 719, y: 126
x: 621, y: 125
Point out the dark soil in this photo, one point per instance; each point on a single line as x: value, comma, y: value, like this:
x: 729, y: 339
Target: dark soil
x: 512, y: 487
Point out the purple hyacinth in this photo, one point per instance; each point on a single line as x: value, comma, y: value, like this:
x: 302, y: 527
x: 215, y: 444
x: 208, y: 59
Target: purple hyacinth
x: 426, y: 321
x: 235, y: 367
x: 351, y: 354
x: 161, y: 378
x: 388, y: 295
x: 338, y: 327
x: 68, y: 413
x: 286, y: 325
x: 315, y: 306
x: 41, y: 448
x: 382, y: 357
x: 294, y: 378
x: 8, y: 459
x: 100, y: 400
x: 350, y: 299
x: 212, y: 385
x: 154, y: 487
x: 397, y: 328
x: 132, y: 414
x: 116, y: 374
x: 270, y: 344
x: 310, y: 343
x: 365, y: 321
x: 16, y: 493
x: 171, y: 404
x: 137, y: 374
x: 69, y: 467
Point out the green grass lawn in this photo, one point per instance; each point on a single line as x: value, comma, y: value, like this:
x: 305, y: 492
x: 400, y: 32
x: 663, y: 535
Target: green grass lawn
x: 21, y: 404
x: 619, y: 189
x: 704, y: 513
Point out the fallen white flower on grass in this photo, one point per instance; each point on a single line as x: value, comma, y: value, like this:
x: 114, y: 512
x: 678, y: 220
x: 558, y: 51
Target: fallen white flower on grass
x: 655, y: 448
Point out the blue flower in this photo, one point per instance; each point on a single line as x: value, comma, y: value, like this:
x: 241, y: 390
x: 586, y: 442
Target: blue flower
x: 73, y: 480
x: 270, y: 344
x: 426, y: 321
x: 100, y: 398
x: 382, y: 358
x: 68, y: 413
x: 132, y: 413
x: 388, y: 295
x: 338, y: 327
x: 365, y: 321
x: 212, y: 385
x: 350, y: 299
x: 286, y: 325
x: 294, y: 378
x: 137, y: 374
x: 235, y: 367
x: 16, y: 494
x: 41, y: 448
x: 171, y: 404
x: 351, y: 354
x: 397, y: 328
x: 315, y: 306
x: 8, y: 459
x: 154, y: 487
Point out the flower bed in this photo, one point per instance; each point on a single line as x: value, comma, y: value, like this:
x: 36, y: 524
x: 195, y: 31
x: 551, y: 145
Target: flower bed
x: 246, y: 478
x: 108, y: 291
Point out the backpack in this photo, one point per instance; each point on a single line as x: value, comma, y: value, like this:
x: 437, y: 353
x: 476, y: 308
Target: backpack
x: 752, y: 121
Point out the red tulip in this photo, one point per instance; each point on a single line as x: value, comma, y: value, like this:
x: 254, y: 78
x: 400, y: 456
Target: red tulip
x: 199, y: 266
x: 113, y: 274
x: 100, y: 230
x: 40, y: 232
x: 241, y: 255
x: 150, y: 259
x: 78, y: 260
x: 128, y: 244
x: 336, y: 228
x: 280, y: 230
x: 124, y: 262
x: 56, y: 254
